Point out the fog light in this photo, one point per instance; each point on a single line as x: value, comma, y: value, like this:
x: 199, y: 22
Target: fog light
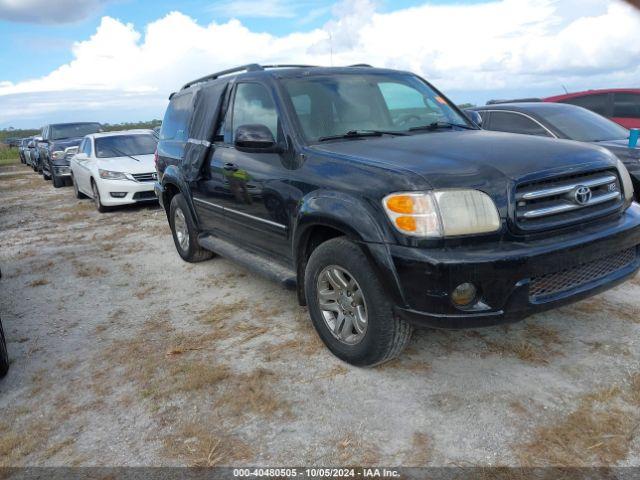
x: 118, y: 194
x: 464, y: 295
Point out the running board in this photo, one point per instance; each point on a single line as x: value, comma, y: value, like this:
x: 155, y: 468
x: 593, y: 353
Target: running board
x: 250, y: 260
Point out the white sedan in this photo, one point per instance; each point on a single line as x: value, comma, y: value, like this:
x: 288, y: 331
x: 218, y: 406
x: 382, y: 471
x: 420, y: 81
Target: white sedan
x: 115, y: 168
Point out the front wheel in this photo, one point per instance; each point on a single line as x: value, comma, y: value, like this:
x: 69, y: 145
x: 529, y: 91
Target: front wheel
x: 185, y: 232
x: 96, y: 198
x: 349, y: 308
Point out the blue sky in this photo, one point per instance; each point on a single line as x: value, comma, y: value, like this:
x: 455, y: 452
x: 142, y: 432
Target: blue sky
x: 117, y: 60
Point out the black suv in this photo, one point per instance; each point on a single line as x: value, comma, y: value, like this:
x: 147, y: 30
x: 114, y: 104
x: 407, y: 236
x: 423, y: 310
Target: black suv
x: 375, y: 197
x: 55, y: 139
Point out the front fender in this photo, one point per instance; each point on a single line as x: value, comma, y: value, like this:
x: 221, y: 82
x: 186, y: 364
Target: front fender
x: 173, y: 176
x: 357, y: 220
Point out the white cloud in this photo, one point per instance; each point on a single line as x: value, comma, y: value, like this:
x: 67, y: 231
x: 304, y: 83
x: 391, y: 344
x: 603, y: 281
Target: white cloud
x: 48, y: 11
x: 254, y: 9
x: 510, y: 45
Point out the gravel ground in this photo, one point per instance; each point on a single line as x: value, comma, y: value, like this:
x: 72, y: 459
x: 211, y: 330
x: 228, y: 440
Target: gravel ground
x: 122, y: 354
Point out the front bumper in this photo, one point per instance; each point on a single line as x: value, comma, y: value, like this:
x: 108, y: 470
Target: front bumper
x: 62, y: 170
x: 505, y: 272
x: 125, y: 192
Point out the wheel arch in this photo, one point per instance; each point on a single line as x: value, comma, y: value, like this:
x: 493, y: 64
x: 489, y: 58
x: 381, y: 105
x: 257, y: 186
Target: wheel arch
x: 322, y: 218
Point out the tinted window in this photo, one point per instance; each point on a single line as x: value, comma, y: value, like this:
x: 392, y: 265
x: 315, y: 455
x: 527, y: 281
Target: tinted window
x: 254, y: 105
x: 175, y: 125
x: 584, y: 125
x: 596, y: 103
x: 626, y: 105
x: 123, y: 145
x: 515, y: 123
x: 340, y: 103
x: 86, y: 149
x: 71, y: 130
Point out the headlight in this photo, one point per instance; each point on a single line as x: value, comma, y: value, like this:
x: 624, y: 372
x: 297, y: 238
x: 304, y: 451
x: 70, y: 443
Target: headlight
x: 108, y: 175
x: 442, y: 213
x: 57, y: 155
x: 627, y: 184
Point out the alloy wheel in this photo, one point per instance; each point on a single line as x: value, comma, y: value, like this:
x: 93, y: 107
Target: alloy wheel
x: 181, y: 229
x: 342, y: 304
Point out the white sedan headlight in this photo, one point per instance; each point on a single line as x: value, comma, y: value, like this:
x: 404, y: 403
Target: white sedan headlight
x: 442, y: 213
x: 109, y: 175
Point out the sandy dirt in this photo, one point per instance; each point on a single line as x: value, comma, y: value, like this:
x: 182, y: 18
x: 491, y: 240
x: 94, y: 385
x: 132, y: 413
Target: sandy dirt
x: 122, y: 354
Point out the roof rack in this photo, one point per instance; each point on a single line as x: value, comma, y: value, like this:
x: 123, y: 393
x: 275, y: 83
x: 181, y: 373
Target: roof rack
x: 251, y: 67
x: 515, y: 100
x: 361, y: 65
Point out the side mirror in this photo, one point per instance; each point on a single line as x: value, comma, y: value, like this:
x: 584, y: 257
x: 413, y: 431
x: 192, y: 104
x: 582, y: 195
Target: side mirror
x: 474, y: 117
x: 634, y: 133
x: 30, y: 144
x: 71, y: 150
x: 255, y: 138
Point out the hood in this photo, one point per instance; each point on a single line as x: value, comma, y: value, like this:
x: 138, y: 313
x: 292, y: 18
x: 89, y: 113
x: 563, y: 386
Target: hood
x: 449, y: 159
x: 127, y: 164
x: 65, y: 142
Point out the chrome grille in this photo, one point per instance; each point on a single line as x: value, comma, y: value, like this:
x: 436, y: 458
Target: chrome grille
x: 144, y: 177
x: 570, y: 278
x: 569, y: 199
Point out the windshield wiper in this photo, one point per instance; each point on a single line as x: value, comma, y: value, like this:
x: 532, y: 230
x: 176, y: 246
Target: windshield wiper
x: 362, y: 133
x: 122, y: 154
x: 438, y: 125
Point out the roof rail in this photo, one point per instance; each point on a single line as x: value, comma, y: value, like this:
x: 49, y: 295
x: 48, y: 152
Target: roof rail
x: 361, y: 65
x: 284, y: 65
x: 244, y: 68
x: 515, y: 100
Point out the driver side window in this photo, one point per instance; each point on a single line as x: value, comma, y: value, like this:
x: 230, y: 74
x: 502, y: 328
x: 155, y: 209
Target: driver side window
x: 253, y: 105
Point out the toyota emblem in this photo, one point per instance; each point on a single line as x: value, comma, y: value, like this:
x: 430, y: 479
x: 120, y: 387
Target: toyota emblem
x: 582, y: 195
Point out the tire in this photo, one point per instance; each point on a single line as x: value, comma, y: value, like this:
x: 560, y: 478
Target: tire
x: 185, y: 232
x: 4, y: 356
x: 96, y: 198
x: 383, y: 336
x: 57, y: 181
x: 46, y: 176
x: 76, y: 190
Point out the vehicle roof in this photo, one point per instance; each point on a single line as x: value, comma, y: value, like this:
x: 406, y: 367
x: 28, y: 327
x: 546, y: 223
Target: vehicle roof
x: 591, y: 92
x: 116, y: 133
x: 528, y: 107
x: 70, y: 123
x: 284, y: 71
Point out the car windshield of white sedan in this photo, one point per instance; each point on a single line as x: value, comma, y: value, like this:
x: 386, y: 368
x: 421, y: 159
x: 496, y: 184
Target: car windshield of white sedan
x: 585, y: 126
x: 73, y: 130
x: 329, y: 105
x: 125, y: 145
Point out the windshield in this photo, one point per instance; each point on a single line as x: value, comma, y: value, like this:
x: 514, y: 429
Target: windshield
x: 73, y: 130
x: 585, y: 126
x: 124, y: 145
x: 337, y: 104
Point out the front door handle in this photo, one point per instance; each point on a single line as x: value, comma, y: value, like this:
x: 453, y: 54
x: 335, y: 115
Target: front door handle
x: 230, y: 167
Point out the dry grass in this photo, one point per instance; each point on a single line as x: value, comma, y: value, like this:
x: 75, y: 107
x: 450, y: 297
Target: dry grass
x: 599, y: 432
x: 200, y: 446
x: 539, y: 346
x: 18, y: 442
x: 84, y: 270
x: 39, y: 282
x: 144, y: 291
x: 253, y: 393
x: 40, y: 267
x: 222, y: 312
x: 421, y: 450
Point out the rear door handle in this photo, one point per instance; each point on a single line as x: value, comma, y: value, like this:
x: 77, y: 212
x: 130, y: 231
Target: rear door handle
x: 230, y: 166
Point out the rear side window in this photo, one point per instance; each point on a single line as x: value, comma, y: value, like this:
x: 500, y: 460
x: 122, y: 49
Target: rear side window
x: 626, y: 105
x: 175, y: 125
x: 515, y: 123
x: 86, y: 149
x: 596, y: 103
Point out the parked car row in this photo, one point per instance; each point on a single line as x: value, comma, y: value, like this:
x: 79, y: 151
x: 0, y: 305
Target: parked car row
x: 386, y: 207
x: 112, y: 168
